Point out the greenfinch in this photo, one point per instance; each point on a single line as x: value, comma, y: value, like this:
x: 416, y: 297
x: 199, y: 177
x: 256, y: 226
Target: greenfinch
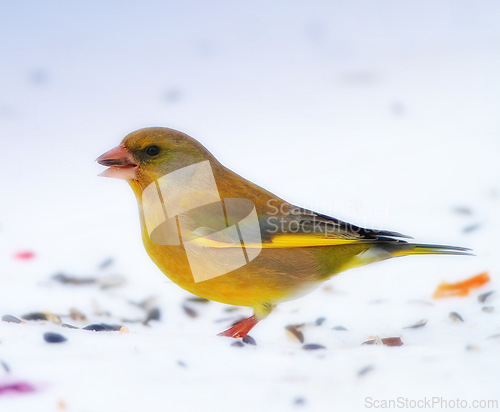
x: 221, y: 237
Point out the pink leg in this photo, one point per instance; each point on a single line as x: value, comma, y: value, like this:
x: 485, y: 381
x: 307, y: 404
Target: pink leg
x: 241, y: 329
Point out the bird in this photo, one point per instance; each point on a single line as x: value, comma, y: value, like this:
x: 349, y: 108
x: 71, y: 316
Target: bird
x: 226, y: 239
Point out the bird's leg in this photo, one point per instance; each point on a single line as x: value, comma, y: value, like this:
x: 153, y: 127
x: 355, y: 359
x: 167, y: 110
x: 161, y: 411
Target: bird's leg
x: 242, y: 328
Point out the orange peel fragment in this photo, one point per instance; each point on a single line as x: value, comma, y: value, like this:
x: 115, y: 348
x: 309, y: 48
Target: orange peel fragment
x: 463, y: 288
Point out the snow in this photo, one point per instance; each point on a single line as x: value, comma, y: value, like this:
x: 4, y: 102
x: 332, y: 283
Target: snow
x: 382, y: 114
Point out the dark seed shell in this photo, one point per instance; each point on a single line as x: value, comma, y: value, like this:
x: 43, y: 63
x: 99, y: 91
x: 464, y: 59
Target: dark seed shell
x: 103, y: 327
x: 35, y: 316
x: 483, y: 297
x: 249, y: 340
x: 313, y: 346
x: 52, y: 337
x: 10, y: 318
x: 293, y: 329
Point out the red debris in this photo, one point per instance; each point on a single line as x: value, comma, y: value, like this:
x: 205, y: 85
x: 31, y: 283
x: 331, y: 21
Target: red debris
x: 19, y: 387
x: 24, y: 255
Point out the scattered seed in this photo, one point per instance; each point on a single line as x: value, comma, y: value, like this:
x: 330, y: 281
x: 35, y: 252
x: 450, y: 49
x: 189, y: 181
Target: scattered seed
x: 102, y: 327
x: 75, y: 314
x: 113, y: 281
x: 472, y: 348
x: 72, y: 280
x: 153, y: 314
x: 456, y: 317
x: 471, y: 228
x: 20, y: 387
x: 488, y: 309
x: 146, y: 303
x: 339, y: 327
x: 249, y: 340
x: 462, y: 210
x: 320, y: 321
x: 313, y: 346
x: 35, y: 316
x: 52, y: 337
x: 197, y: 299
x: 5, y: 366
x: 293, y: 329
x: 421, y: 323
x: 495, y: 336
x: 237, y: 344
x: 190, y: 311
x: 299, y: 400
x: 181, y: 364
x: 483, y: 297
x: 392, y: 341
x: 365, y: 370
x: 10, y: 318
x: 105, y: 263
x: 67, y: 325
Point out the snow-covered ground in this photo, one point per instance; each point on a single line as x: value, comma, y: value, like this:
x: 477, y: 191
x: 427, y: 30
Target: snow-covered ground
x: 384, y: 114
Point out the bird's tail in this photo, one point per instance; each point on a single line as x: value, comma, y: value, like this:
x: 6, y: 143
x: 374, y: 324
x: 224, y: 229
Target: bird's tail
x: 382, y: 250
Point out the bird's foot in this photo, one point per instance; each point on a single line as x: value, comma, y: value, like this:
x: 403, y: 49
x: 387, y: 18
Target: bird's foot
x: 241, y: 329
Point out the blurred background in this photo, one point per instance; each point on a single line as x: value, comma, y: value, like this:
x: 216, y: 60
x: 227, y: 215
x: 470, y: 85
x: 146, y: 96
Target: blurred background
x: 384, y: 114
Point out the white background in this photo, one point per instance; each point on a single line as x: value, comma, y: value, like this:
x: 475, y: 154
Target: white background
x: 384, y: 114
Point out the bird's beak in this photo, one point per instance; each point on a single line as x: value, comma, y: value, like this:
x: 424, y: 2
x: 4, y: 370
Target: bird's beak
x: 122, y: 164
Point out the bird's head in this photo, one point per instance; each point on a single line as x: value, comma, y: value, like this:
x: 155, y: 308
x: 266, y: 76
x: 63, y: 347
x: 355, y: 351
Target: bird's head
x: 147, y: 154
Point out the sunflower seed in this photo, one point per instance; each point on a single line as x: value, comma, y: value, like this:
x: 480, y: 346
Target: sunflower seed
x: 52, y: 337
x: 10, y: 318
x: 456, y: 317
x: 421, y: 323
x: 313, y: 346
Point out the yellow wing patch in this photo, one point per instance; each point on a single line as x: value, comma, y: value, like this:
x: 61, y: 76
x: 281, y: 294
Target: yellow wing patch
x: 280, y: 241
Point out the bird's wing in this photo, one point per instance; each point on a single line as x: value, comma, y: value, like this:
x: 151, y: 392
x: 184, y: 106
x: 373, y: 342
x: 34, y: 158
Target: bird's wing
x: 299, y: 228
x: 303, y: 228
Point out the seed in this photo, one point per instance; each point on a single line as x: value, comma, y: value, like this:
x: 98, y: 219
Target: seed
x: 456, y: 317
x: 197, y: 299
x: 10, y: 318
x: 67, y: 325
x: 483, y: 297
x: 153, y: 314
x: 365, y: 370
x: 299, y: 400
x: 249, y: 340
x: 488, y: 309
x: 35, y: 316
x: 102, y: 327
x: 313, y: 346
x: 339, y: 327
x: 52, y: 337
x: 421, y: 323
x: 190, y: 311
x: 293, y: 329
x: 104, y: 264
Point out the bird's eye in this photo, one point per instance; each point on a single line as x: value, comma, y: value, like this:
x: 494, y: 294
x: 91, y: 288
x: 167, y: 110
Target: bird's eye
x: 153, y: 150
